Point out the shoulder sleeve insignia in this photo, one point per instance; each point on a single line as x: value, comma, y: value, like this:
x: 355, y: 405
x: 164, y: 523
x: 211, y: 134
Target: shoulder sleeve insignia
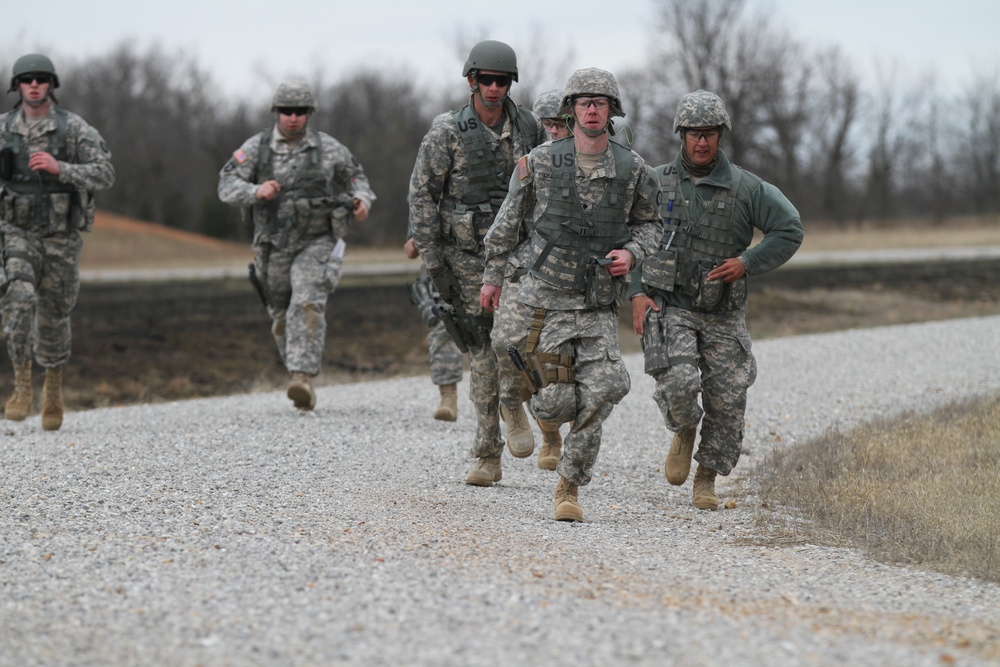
x: 240, y: 156
x: 522, y: 167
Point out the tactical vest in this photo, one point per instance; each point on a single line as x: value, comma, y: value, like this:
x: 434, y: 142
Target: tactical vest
x: 310, y: 195
x: 567, y: 240
x: 32, y: 187
x: 485, y: 173
x: 691, y: 246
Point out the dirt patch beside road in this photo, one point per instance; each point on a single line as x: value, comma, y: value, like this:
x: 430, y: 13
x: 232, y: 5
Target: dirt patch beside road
x: 161, y: 341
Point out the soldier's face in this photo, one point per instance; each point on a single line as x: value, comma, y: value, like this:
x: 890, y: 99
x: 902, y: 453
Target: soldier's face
x: 592, y: 112
x: 701, y: 144
x: 292, y: 120
x: 556, y: 128
x: 491, y: 86
x: 34, y: 87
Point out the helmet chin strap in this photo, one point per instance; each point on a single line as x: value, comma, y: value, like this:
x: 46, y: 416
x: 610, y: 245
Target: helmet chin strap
x: 34, y: 104
x: 488, y: 105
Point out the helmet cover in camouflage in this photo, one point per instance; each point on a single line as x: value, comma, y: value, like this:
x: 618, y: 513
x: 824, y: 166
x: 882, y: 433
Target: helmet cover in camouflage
x: 548, y: 104
x: 592, y: 81
x: 493, y: 56
x: 293, y: 94
x: 33, y: 63
x: 701, y: 109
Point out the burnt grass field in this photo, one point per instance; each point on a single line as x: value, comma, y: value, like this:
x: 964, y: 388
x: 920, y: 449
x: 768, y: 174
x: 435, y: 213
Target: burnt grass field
x: 148, y: 342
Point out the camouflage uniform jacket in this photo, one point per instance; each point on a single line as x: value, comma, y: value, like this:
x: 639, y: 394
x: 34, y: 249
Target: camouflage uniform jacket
x: 530, y: 188
x: 759, y: 205
x: 343, y: 175
x: 441, y: 177
x: 85, y: 166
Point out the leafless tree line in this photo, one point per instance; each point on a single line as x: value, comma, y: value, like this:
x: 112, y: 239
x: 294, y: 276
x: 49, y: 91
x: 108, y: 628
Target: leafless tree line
x: 802, y: 119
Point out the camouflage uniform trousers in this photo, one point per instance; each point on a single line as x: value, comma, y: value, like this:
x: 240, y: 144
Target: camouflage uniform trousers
x: 297, y: 281
x: 444, y: 356
x: 725, y: 370
x: 600, y: 379
x: 484, y: 381
x: 510, y: 328
x: 36, y: 314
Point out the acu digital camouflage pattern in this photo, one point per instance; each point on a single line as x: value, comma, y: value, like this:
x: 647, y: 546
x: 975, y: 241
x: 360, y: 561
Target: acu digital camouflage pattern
x: 43, y: 260
x: 446, y: 238
x: 444, y: 356
x: 548, y: 104
x: 711, y: 357
x: 293, y: 94
x: 701, y: 109
x: 590, y: 335
x: 293, y: 262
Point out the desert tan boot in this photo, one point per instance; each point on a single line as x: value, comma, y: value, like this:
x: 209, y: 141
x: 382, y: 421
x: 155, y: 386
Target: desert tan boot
x: 52, y: 405
x: 568, y: 508
x: 448, y: 410
x: 20, y: 400
x: 704, y: 497
x: 678, y: 463
x: 486, y: 471
x: 520, y: 439
x: 548, y: 455
x: 301, y: 392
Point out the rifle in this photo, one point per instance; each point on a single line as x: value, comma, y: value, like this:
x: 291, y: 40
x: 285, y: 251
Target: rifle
x: 467, y: 331
x: 257, y: 285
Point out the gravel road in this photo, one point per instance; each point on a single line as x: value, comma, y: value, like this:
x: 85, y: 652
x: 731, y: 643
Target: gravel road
x: 235, y: 531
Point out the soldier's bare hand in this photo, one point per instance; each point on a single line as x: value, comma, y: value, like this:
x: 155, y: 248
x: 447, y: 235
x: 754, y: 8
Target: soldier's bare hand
x: 410, y: 249
x: 640, y: 305
x: 489, y: 297
x: 732, y: 269
x: 42, y: 161
x: 621, y: 262
x: 268, y: 190
x: 360, y: 211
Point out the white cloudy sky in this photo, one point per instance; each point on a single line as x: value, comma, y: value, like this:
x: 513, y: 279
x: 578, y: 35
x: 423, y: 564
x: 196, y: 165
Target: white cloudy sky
x: 238, y: 41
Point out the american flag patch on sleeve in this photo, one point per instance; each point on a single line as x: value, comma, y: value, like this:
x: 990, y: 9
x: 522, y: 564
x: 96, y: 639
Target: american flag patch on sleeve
x: 240, y: 156
x: 522, y: 167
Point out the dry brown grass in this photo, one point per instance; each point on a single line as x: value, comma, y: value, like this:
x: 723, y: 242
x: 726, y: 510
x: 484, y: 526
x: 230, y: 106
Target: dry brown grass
x: 921, y: 490
x: 960, y: 231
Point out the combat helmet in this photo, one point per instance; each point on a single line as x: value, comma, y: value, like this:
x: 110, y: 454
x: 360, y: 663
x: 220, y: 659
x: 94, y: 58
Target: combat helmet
x: 491, y: 55
x: 30, y: 64
x: 592, y: 81
x: 293, y: 94
x: 548, y: 104
x: 701, y: 109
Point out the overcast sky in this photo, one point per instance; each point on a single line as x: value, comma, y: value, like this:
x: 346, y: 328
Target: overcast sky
x: 238, y: 41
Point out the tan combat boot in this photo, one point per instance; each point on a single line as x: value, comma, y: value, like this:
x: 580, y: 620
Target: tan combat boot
x: 704, y: 489
x: 20, y: 400
x: 548, y: 455
x: 301, y: 392
x: 448, y: 410
x: 520, y: 439
x: 486, y: 471
x: 568, y: 508
x: 52, y: 405
x: 678, y: 463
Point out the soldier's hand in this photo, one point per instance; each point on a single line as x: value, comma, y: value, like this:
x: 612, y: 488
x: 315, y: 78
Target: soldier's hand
x: 268, y: 190
x: 730, y: 270
x: 42, y: 161
x: 360, y: 211
x: 410, y: 249
x: 621, y: 262
x: 640, y: 305
x: 489, y: 297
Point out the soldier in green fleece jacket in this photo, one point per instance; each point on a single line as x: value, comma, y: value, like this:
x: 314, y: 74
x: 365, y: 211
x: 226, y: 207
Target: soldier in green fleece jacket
x: 689, y: 298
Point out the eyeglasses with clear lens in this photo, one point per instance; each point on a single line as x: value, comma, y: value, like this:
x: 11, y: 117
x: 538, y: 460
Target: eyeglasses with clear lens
x: 600, y: 103
x: 293, y: 111
x: 502, y: 80
x: 28, y: 79
x: 698, y: 135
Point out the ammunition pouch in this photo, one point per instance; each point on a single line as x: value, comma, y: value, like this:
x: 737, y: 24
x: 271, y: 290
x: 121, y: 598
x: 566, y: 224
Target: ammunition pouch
x: 712, y: 296
x: 467, y: 331
x: 602, y: 290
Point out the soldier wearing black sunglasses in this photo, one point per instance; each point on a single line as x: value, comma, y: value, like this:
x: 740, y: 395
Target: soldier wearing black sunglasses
x: 51, y: 162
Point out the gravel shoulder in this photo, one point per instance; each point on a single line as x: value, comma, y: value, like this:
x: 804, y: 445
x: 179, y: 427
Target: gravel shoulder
x: 235, y: 531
